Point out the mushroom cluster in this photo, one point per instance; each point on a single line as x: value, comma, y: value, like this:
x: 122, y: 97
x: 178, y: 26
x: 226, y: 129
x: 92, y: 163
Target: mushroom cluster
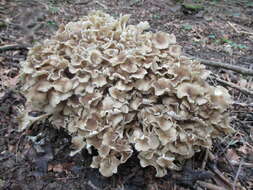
x: 116, y: 89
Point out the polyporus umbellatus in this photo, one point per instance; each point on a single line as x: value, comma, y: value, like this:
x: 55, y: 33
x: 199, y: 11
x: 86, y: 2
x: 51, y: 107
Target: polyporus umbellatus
x: 116, y: 88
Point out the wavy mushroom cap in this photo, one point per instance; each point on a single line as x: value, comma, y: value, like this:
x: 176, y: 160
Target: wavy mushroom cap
x: 116, y: 88
x: 162, y: 40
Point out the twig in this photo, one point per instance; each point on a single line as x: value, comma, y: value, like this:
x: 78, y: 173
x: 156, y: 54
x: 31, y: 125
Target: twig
x: 211, y: 156
x: 17, y: 147
x: 10, y: 170
x: 132, y: 174
x: 65, y: 178
x: 237, y: 175
x: 243, y: 164
x: 229, y: 163
x: 243, y: 104
x: 3, y: 129
x: 5, y: 158
x: 37, y: 27
x: 221, y: 176
x: 205, y: 159
x: 237, y: 31
x: 93, y: 186
x: 101, y: 4
x: 12, y: 48
x: 82, y: 3
x: 243, y: 90
x: 237, y: 69
x: 234, y: 28
x: 209, y: 186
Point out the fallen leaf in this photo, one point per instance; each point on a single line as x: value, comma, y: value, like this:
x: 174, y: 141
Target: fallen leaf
x: 243, y: 149
x: 242, y: 83
x: 58, y: 168
x: 64, y: 167
x: 6, y: 81
x: 12, y: 148
x: 13, y: 81
x: 232, y: 156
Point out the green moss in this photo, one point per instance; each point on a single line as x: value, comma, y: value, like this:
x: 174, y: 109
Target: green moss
x: 1, y: 183
x: 193, y: 7
x: 2, y: 24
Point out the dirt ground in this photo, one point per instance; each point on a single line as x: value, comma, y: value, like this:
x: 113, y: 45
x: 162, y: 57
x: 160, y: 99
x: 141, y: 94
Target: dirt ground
x: 38, y: 158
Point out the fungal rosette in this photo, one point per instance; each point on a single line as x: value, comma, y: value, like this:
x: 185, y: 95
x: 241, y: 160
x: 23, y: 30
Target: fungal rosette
x: 116, y: 88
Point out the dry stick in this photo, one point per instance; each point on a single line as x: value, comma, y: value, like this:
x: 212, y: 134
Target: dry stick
x: 3, y: 129
x: 237, y: 69
x: 221, y: 176
x: 211, y: 156
x: 135, y: 170
x: 205, y: 159
x: 237, y: 31
x: 93, y: 186
x: 209, y: 186
x: 243, y: 104
x: 243, y: 164
x: 17, y: 147
x: 237, y: 175
x: 83, y: 3
x: 101, y: 4
x: 243, y: 90
x: 12, y: 48
x: 232, y: 26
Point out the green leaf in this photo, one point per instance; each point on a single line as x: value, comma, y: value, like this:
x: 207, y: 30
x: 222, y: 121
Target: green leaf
x: 54, y: 10
x: 225, y: 40
x: 156, y: 16
x: 212, y: 36
x: 52, y: 23
x: 249, y: 4
x: 241, y: 46
x: 187, y: 27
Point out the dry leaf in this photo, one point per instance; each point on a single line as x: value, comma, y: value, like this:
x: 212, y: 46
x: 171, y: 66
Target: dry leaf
x: 243, y: 149
x: 55, y: 168
x: 232, y: 156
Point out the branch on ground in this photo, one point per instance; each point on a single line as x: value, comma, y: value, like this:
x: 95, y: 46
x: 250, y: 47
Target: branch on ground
x: 12, y: 48
x: 209, y: 186
x: 232, y: 85
x: 237, y: 69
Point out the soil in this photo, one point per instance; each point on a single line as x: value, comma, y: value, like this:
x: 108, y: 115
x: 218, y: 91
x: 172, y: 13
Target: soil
x: 38, y: 158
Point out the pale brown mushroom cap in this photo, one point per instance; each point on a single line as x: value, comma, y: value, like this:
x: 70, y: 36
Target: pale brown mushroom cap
x: 162, y: 40
x: 116, y: 88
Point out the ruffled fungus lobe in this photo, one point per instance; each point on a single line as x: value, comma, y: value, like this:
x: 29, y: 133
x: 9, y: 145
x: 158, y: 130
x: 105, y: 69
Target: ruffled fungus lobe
x: 116, y: 88
x: 162, y: 40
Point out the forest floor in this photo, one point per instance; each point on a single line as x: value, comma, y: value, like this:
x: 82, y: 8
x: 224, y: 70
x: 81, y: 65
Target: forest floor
x: 38, y: 158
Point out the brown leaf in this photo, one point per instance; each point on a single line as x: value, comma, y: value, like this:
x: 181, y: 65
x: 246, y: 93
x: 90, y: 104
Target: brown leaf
x: 61, y: 167
x: 55, y: 168
x: 243, y: 83
x: 232, y: 156
x: 5, y: 80
x: 243, y: 149
x: 12, y: 81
